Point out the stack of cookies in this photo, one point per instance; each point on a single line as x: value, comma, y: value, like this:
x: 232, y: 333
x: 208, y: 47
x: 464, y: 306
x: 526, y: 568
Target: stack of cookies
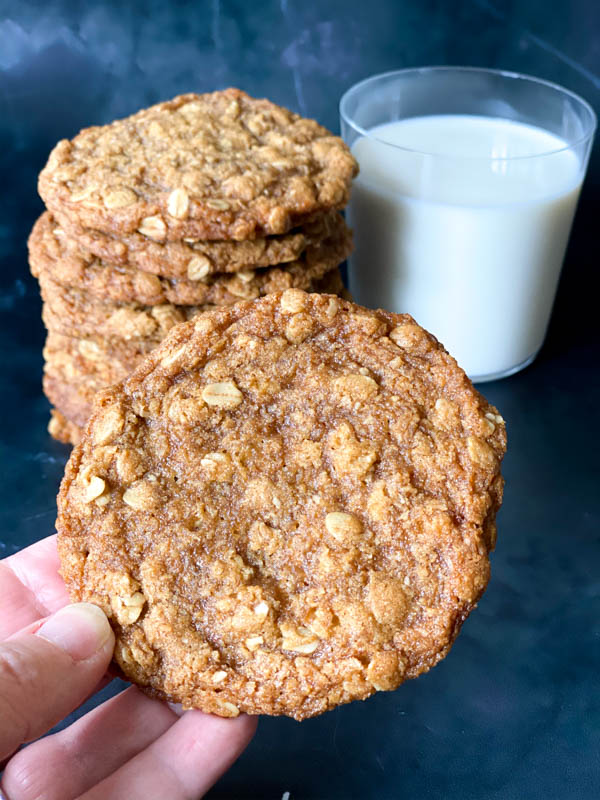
x: 198, y: 202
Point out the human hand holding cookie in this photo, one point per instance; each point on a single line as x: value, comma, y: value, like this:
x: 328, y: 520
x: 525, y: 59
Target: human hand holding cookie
x: 52, y: 657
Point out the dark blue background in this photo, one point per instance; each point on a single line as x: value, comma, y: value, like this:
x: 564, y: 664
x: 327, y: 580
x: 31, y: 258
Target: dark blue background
x: 514, y: 711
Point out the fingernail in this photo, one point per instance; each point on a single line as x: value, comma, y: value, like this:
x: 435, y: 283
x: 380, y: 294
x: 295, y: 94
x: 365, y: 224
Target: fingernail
x: 176, y: 708
x: 80, y: 630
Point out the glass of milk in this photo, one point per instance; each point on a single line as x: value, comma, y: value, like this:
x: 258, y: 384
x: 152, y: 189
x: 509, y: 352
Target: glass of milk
x: 468, y: 184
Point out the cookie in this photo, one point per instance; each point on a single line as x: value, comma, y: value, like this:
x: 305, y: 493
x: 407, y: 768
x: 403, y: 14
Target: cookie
x: 71, y: 369
x: 191, y: 259
x: 74, y: 357
x: 214, y: 166
x: 77, y: 359
x: 62, y: 430
x: 74, y: 312
x: 54, y: 255
x: 74, y: 401
x: 289, y: 505
x: 75, y: 368
x: 92, y: 354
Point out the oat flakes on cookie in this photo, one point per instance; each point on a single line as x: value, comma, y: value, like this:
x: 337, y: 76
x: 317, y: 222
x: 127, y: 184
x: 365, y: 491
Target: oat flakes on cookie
x: 289, y: 505
x: 62, y: 429
x: 196, y: 259
x: 72, y: 370
x: 55, y: 256
x: 73, y: 401
x: 77, y: 366
x: 93, y: 355
x: 213, y: 166
x: 74, y: 312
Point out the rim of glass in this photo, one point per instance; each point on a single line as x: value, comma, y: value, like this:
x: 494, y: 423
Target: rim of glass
x: 498, y: 73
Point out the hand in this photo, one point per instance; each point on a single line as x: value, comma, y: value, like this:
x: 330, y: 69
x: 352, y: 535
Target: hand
x: 52, y: 658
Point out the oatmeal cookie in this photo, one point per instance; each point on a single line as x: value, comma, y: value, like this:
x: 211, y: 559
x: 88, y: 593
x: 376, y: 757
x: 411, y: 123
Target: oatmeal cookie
x: 194, y: 259
x: 289, y: 505
x: 74, y: 312
x: 330, y: 283
x: 75, y: 357
x: 73, y: 368
x: 73, y: 400
x: 213, y: 166
x: 61, y: 429
x: 54, y: 255
x: 92, y: 354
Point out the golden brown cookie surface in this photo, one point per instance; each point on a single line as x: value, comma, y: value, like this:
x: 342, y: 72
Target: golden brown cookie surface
x: 53, y: 255
x: 61, y: 429
x: 74, y: 401
x: 75, y: 312
x: 191, y: 259
x: 214, y: 166
x: 289, y: 505
x: 78, y: 356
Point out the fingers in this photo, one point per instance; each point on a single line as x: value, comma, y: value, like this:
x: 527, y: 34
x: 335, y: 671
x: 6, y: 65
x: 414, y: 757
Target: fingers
x: 48, y: 669
x: 68, y: 763
x: 30, y: 586
x: 46, y: 674
x: 183, y: 763
x: 19, y: 606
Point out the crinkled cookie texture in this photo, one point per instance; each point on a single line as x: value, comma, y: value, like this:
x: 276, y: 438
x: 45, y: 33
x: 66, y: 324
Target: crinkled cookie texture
x: 196, y: 258
x: 53, y: 255
x: 77, y: 357
x: 75, y: 312
x: 62, y: 429
x: 70, y: 381
x: 213, y: 166
x: 77, y: 366
x: 289, y: 505
x: 72, y: 400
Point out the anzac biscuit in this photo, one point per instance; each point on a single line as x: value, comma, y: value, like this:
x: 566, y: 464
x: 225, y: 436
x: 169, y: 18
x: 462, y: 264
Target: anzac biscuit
x: 71, y: 368
x: 94, y: 355
x: 76, y: 368
x: 193, y: 260
x: 289, y: 505
x: 74, y: 312
x: 74, y: 401
x: 214, y: 166
x: 75, y: 357
x: 109, y: 360
x: 61, y: 429
x: 54, y: 255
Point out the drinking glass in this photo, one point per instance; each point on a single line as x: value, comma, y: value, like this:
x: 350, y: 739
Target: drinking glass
x: 469, y: 180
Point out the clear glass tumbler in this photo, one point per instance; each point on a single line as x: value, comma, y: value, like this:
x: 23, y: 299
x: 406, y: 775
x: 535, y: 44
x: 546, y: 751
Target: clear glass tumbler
x: 468, y: 184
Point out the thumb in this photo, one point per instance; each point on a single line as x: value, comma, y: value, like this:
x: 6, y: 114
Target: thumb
x: 46, y: 674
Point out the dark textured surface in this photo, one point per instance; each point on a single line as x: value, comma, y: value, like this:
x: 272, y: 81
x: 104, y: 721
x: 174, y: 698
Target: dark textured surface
x: 514, y: 711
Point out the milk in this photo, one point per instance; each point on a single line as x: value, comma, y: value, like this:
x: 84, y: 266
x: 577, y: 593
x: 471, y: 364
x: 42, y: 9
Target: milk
x: 468, y: 239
